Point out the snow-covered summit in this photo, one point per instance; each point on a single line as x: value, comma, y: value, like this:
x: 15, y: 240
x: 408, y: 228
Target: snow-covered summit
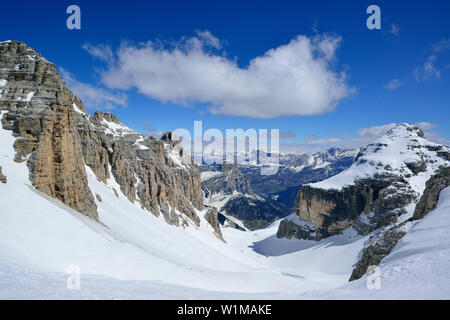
x: 402, y: 151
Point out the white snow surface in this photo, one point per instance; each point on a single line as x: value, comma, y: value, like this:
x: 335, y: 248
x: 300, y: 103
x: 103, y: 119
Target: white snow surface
x: 417, y: 268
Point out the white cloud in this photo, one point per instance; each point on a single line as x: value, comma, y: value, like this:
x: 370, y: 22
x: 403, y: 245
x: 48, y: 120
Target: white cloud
x: 324, y: 141
x: 426, y: 126
x: 393, y: 84
x: 101, y: 52
x: 149, y: 130
x: 427, y: 72
x: 394, y: 29
x: 93, y: 97
x: 293, y: 79
x: 373, y: 133
x: 442, y: 45
x: 208, y: 39
x: 434, y: 136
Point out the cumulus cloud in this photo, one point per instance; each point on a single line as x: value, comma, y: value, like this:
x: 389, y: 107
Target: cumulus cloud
x: 297, y: 78
x: 393, y: 84
x: 93, y: 97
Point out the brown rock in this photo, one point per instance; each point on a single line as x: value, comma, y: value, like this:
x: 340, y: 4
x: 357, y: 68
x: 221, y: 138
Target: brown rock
x: 3, y: 178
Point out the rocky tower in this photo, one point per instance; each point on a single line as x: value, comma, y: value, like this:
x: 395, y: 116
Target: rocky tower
x: 59, y: 140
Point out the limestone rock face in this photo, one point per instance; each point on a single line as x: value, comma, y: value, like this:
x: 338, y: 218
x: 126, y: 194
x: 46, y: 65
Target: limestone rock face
x: 228, y: 179
x: 379, y: 247
x: 56, y: 137
x: 3, y: 178
x: 332, y: 211
x: 430, y: 197
x: 382, y: 243
x: 156, y: 173
x: 40, y: 114
x: 288, y: 229
x: 212, y: 216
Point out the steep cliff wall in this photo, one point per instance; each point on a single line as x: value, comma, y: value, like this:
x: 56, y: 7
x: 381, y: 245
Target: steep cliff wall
x: 56, y: 137
x: 41, y: 116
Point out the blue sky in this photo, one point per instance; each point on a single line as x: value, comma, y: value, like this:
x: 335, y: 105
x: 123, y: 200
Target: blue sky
x: 400, y: 73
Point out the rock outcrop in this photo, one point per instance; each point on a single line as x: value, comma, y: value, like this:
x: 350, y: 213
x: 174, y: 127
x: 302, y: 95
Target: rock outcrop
x: 380, y: 245
x: 3, y: 178
x: 430, y: 196
x: 292, y: 227
x: 59, y: 140
x: 332, y: 210
x: 226, y: 179
x: 41, y: 117
x: 212, y: 216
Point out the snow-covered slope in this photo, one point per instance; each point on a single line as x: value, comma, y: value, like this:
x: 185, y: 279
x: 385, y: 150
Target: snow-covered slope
x: 417, y: 268
x: 40, y: 238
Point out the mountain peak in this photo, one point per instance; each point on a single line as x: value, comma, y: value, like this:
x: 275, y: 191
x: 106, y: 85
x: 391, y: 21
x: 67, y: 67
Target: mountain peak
x: 405, y: 130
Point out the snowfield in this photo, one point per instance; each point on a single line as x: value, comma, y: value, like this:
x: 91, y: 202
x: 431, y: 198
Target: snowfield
x: 417, y: 268
x: 132, y: 254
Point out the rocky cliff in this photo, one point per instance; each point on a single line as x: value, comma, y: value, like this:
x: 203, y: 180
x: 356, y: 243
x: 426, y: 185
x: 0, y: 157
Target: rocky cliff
x: 396, y: 179
x: 59, y: 141
x: 382, y: 242
x: 430, y: 196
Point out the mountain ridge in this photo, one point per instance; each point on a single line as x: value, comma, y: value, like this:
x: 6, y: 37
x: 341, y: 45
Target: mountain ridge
x: 56, y: 137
